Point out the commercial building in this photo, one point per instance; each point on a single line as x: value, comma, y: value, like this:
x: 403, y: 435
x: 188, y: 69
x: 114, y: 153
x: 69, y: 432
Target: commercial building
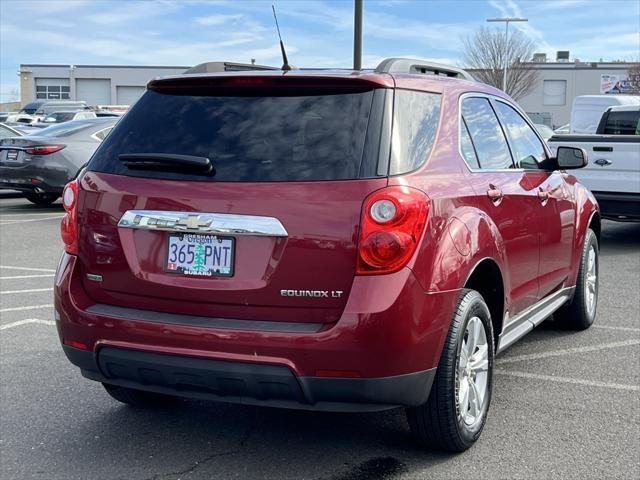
x: 95, y: 84
x: 560, y: 81
x: 104, y: 84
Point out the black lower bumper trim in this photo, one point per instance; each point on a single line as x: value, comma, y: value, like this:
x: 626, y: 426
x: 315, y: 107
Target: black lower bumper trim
x: 249, y: 383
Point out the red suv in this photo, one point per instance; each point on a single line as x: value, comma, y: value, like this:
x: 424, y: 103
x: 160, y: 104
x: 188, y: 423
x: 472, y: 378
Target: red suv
x: 323, y: 240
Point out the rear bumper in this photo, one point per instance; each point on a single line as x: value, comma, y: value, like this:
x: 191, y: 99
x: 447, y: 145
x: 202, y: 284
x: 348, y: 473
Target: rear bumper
x: 382, y: 352
x: 48, y: 177
x: 248, y: 383
x: 619, y: 206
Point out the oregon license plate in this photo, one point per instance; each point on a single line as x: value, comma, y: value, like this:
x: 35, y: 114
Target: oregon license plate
x: 201, y: 255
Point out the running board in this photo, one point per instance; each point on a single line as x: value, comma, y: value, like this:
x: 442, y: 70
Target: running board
x: 533, y: 316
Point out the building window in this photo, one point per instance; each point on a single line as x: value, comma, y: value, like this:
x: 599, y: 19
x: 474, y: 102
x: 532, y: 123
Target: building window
x: 554, y: 92
x: 52, y: 89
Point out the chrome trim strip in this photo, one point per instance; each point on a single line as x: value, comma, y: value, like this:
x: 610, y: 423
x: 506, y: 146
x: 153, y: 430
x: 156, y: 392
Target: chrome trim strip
x: 200, y: 222
x: 528, y: 319
x: 206, y: 322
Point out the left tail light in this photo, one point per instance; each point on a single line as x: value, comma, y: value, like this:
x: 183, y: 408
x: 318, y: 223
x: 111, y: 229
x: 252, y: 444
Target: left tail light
x: 392, y: 223
x: 44, y: 149
x: 69, y: 224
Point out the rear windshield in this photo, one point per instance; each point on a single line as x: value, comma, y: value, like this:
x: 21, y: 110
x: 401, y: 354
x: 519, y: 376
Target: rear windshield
x: 623, y: 123
x: 62, y: 129
x: 249, y: 138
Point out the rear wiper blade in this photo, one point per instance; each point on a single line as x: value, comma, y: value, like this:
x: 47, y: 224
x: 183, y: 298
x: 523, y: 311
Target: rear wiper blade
x: 168, y: 162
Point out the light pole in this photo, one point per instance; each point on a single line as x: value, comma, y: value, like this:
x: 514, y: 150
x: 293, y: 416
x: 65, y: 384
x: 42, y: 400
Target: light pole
x: 506, y: 20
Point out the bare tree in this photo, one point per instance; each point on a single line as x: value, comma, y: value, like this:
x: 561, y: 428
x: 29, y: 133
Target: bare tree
x: 484, y: 54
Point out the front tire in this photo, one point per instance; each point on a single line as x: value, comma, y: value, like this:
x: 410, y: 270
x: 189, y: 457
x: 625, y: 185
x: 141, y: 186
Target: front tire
x: 454, y: 415
x: 139, y: 398
x: 580, y: 313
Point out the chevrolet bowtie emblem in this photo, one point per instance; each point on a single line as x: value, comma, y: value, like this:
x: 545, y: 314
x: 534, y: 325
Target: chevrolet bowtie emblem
x: 193, y: 222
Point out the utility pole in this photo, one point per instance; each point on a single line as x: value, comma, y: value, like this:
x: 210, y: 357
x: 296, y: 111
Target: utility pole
x: 357, y: 34
x: 506, y: 20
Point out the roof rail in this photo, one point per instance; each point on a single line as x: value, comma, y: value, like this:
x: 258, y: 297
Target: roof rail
x: 411, y: 65
x: 227, y: 67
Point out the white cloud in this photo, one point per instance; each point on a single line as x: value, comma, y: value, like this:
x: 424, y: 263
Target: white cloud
x: 217, y: 19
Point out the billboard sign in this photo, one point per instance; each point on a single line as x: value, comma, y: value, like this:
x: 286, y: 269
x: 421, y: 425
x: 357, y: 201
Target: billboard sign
x: 613, y: 84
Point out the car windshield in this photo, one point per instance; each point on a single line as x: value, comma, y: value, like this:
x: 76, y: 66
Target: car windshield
x: 63, y: 129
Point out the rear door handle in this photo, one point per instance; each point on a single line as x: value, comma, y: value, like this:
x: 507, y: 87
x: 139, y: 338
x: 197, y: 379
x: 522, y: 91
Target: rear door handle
x: 603, y: 162
x: 494, y: 193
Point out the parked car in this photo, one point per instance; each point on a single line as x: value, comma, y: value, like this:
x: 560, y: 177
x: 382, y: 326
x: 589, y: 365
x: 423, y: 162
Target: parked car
x: 613, y: 174
x: 587, y: 110
x: 32, y: 107
x: 275, y: 244
x: 562, y: 129
x: 59, y: 105
x: 6, y: 131
x: 40, y: 164
x: 65, y: 116
x: 545, y: 132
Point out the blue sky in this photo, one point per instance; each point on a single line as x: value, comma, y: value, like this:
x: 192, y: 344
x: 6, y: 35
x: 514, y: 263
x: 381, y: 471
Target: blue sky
x: 317, y: 33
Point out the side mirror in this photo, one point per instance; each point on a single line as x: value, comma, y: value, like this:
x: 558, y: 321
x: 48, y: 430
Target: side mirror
x: 568, y: 158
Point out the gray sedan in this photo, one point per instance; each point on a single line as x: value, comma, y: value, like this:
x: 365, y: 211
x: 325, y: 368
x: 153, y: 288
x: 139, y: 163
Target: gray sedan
x: 40, y: 164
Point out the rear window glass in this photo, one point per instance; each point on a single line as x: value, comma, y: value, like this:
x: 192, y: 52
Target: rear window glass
x: 248, y: 138
x: 415, y: 122
x: 62, y: 129
x: 623, y: 123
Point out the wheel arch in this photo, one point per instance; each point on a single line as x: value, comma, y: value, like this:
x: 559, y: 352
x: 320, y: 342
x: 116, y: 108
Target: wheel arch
x: 486, y: 278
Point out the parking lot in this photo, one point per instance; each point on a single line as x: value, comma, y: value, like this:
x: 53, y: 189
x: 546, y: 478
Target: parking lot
x: 565, y: 404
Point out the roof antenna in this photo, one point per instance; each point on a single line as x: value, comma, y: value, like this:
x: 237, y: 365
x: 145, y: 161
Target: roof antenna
x: 285, y: 65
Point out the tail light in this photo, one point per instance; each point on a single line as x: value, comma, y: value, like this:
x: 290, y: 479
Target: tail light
x: 393, y: 220
x: 44, y: 149
x: 69, y: 224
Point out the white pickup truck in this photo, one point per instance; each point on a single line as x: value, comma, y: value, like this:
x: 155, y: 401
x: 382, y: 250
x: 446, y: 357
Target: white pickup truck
x: 613, y: 171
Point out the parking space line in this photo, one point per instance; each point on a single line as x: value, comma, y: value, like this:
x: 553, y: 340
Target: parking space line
x: 13, y: 222
x: 25, y: 214
x: 28, y: 307
x: 16, y: 277
x: 568, y: 351
x: 575, y: 381
x: 612, y: 327
x: 28, y: 269
x: 25, y: 322
x: 31, y: 290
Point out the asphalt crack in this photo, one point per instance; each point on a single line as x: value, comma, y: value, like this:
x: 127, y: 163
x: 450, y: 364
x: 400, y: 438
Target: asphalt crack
x: 244, y: 439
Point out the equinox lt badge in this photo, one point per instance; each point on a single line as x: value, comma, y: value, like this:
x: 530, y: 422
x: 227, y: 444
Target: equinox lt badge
x: 311, y: 293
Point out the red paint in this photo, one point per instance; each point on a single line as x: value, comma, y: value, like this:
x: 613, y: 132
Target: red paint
x: 382, y: 324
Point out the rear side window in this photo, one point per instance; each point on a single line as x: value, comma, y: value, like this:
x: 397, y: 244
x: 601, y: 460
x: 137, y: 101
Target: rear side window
x: 486, y: 134
x: 247, y: 138
x: 415, y: 122
x: 466, y: 146
x: 622, y: 123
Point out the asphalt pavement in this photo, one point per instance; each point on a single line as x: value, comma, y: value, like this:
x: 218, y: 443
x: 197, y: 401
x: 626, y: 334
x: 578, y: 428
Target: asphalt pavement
x: 565, y: 404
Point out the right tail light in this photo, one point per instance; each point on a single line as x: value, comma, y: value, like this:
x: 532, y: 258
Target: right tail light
x: 69, y: 223
x: 392, y: 223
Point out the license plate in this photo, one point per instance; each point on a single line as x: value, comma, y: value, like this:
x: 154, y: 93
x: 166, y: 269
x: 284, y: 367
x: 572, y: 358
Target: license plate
x: 12, y: 155
x: 200, y: 255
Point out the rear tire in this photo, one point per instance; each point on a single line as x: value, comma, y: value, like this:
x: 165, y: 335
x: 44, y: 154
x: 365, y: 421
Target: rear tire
x: 139, y: 398
x: 580, y: 312
x: 450, y: 419
x: 41, y: 198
